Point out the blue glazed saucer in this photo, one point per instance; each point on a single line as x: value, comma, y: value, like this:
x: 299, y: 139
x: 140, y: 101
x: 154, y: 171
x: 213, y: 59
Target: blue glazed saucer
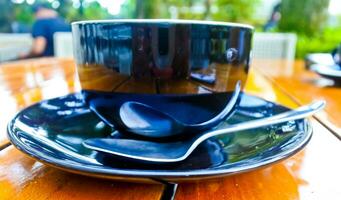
x: 52, y: 132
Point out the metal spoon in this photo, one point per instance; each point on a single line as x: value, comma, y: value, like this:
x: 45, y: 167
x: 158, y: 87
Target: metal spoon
x: 147, y: 121
x: 178, y: 151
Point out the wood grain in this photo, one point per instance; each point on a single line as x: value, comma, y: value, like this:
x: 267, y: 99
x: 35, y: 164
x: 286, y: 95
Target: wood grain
x: 21, y: 85
x: 307, y: 175
x: 26, y: 82
x: 304, y: 86
x: 180, y: 86
x: 97, y: 77
x: 312, y: 174
x: 24, y: 178
x: 226, y: 77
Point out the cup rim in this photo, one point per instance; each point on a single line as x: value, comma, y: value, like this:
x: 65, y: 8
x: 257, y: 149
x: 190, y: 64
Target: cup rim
x: 173, y: 21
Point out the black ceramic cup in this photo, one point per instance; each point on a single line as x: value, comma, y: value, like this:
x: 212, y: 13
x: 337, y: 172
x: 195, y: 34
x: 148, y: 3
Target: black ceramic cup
x: 161, y: 56
x: 158, y: 57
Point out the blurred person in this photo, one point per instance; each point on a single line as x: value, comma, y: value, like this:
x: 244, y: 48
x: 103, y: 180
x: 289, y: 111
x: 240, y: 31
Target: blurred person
x: 47, y: 23
x: 274, y: 18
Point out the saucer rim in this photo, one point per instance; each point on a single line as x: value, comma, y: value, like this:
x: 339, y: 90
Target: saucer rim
x: 103, y: 171
x: 162, y: 21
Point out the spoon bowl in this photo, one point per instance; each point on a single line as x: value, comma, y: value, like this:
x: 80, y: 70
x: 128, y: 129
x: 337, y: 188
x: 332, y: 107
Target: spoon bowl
x: 171, y: 152
x: 147, y: 121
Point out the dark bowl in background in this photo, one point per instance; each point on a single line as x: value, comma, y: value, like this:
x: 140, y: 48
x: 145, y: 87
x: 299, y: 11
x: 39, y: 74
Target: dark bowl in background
x: 161, y: 56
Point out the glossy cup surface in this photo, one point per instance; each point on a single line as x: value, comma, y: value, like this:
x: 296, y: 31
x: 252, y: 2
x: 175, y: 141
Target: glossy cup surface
x: 161, y: 56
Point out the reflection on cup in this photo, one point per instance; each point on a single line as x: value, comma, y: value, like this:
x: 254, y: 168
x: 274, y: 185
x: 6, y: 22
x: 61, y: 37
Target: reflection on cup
x: 160, y: 56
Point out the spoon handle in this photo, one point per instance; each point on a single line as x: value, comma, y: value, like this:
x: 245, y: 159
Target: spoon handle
x: 298, y: 113
x: 178, y: 151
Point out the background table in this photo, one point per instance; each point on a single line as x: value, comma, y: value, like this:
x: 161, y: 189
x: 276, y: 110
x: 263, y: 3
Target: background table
x: 314, y: 173
x: 304, y: 86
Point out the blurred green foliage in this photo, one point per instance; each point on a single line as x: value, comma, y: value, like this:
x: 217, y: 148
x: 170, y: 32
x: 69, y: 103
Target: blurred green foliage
x: 235, y: 10
x: 325, y: 42
x: 219, y: 10
x: 222, y: 10
x: 306, y: 18
x: 23, y: 13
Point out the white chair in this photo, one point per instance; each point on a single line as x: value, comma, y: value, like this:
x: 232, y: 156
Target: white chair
x: 11, y: 45
x: 10, y: 39
x: 274, y: 46
x: 62, y: 42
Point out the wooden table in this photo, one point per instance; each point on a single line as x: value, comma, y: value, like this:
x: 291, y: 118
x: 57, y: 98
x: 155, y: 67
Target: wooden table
x: 304, y: 86
x: 314, y: 173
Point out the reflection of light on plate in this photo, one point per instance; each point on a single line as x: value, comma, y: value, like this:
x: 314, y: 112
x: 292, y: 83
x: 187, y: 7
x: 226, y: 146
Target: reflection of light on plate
x: 69, y: 141
x: 42, y: 132
x: 254, y: 101
x: 31, y: 132
x: 202, y: 90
